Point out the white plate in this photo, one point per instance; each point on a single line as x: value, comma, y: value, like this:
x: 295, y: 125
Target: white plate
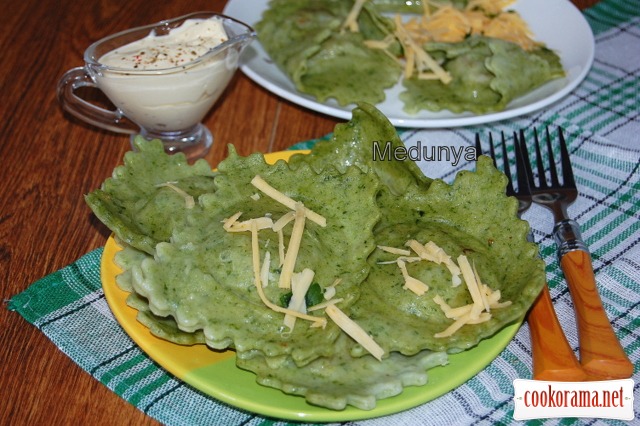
x: 557, y: 23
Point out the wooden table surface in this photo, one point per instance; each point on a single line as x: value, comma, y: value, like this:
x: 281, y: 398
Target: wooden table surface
x: 50, y: 160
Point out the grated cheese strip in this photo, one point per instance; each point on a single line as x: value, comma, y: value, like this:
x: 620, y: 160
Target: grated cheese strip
x: 431, y: 251
x: 227, y: 223
x: 410, y: 283
x: 460, y: 322
x: 188, y: 199
x: 449, y: 312
x: 481, y: 290
x: 405, y: 259
x: 300, y: 283
x: 280, y: 248
x: 410, y: 65
x: 264, y: 271
x: 472, y: 286
x: 267, y: 189
x: 422, y: 251
x: 380, y: 44
x: 324, y: 304
x: 317, y: 321
x: 293, y: 248
x: 355, y: 331
x: 330, y: 291
x: 284, y: 220
x: 351, y: 22
x: 394, y: 250
x: 426, y: 10
x: 494, y: 297
x: 484, y: 317
x: 457, y: 325
x: 423, y: 61
x: 261, y: 222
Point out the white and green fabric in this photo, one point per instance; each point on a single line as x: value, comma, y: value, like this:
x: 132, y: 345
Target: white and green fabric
x: 601, y: 122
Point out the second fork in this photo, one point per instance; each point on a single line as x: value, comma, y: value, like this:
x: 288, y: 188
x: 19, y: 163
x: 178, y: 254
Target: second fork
x: 553, y: 357
x: 601, y: 353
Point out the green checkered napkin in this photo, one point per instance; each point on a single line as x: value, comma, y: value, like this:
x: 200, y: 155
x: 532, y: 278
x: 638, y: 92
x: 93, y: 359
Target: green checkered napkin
x: 602, y: 126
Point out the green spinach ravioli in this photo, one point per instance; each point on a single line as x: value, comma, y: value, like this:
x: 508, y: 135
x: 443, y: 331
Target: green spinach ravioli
x: 304, y: 38
x: 193, y: 281
x: 203, y: 277
x: 488, y: 73
x: 352, y: 51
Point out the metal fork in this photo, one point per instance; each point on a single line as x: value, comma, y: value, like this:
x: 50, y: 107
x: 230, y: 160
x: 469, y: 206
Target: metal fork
x: 601, y: 354
x: 553, y: 358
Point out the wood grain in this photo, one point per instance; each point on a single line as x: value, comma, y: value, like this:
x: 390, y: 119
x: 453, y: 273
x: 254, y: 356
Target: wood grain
x: 50, y: 160
x: 553, y: 358
x: 601, y: 354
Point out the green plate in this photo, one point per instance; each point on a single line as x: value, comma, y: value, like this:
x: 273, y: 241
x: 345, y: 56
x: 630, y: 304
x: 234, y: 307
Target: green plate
x: 215, y: 373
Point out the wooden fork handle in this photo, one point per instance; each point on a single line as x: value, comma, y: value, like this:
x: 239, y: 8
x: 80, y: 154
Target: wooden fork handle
x: 601, y: 354
x: 553, y: 358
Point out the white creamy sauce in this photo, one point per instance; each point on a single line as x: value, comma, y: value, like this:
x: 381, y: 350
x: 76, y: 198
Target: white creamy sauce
x: 182, y: 45
x: 155, y: 82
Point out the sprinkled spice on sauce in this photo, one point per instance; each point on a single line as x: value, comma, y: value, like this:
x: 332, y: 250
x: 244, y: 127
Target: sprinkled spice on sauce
x: 182, y: 45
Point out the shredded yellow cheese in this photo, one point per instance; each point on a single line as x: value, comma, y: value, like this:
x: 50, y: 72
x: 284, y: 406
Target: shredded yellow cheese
x: 228, y: 223
x: 244, y: 226
x: 510, y: 27
x: 278, y: 196
x: 442, y: 257
x: 324, y: 304
x: 394, y: 250
x: 355, y: 331
x: 351, y: 22
x: 484, y: 299
x: 472, y: 286
x: 482, y: 290
x: 264, y: 271
x: 317, y: 321
x: 293, y: 248
x: 284, y: 220
x: 460, y: 322
x: 429, y: 252
x: 481, y: 17
x: 330, y: 291
x: 281, y: 253
x: 300, y: 283
x: 411, y: 283
x: 422, y: 62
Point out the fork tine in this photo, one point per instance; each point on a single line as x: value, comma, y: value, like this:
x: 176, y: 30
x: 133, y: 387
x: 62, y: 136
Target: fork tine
x: 492, y: 151
x: 542, y: 180
x: 553, y: 174
x: 567, y: 172
x: 522, y: 164
x: 478, y: 146
x: 525, y: 157
x: 506, y: 169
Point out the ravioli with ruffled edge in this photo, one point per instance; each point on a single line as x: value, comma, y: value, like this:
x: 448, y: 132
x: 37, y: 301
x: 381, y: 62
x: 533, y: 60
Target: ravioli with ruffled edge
x: 461, y: 218
x: 352, y: 51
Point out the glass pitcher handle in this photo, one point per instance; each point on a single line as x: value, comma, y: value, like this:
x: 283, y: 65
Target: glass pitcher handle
x: 76, y: 78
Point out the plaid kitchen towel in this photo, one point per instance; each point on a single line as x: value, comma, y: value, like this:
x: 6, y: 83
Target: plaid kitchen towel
x: 601, y: 123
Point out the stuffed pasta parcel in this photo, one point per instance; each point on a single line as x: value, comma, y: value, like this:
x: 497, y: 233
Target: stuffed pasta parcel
x: 332, y: 276
x: 461, y: 55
